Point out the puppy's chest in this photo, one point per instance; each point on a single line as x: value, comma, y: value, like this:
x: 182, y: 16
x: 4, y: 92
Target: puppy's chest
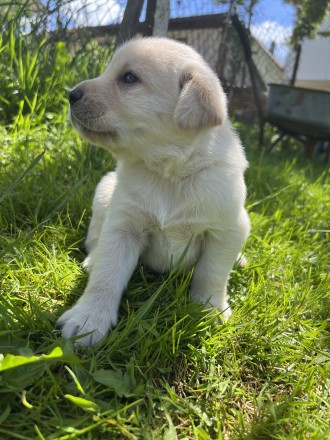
x: 169, y: 210
x: 173, y: 228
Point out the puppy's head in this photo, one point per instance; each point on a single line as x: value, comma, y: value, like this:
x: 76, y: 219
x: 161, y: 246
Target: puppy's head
x: 154, y: 91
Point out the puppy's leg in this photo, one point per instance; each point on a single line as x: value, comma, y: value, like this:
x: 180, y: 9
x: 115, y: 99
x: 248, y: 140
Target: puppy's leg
x: 220, y: 252
x: 102, y: 197
x: 116, y: 257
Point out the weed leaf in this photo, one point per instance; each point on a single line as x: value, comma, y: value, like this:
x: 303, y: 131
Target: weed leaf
x: 12, y: 361
x: 119, y: 382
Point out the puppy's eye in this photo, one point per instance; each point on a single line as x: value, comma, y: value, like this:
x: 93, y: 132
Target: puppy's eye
x: 129, y: 78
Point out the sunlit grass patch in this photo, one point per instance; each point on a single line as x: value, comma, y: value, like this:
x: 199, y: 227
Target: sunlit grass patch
x: 167, y: 370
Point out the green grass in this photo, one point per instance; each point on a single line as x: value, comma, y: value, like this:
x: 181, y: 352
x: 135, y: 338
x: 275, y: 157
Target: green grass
x: 168, y: 370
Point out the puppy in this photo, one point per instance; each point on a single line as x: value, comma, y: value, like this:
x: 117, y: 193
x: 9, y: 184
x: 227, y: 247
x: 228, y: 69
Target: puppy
x: 160, y: 110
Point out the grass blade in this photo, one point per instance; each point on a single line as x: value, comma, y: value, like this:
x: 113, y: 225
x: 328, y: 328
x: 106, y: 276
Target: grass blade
x: 21, y: 177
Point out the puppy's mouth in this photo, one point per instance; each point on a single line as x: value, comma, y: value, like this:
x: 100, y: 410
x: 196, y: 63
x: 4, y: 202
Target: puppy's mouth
x: 92, y: 134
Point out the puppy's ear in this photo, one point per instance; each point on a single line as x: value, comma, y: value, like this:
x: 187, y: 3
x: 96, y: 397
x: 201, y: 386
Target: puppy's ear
x: 202, y: 102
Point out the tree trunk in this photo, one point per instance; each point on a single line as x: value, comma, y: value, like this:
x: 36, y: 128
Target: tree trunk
x: 150, y: 18
x: 130, y: 22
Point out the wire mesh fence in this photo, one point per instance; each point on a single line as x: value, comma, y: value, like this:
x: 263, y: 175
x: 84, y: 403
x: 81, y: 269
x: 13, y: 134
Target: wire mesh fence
x: 203, y: 24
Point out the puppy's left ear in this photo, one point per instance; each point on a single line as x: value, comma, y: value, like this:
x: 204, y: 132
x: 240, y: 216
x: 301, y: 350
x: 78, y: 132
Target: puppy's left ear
x: 202, y: 102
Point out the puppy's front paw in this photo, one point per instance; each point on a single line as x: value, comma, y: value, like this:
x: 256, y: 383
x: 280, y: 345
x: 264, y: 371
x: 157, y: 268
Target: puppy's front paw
x: 214, y: 302
x: 84, y: 318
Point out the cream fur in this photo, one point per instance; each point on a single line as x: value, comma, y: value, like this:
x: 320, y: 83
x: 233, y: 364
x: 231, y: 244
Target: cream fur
x: 179, y: 175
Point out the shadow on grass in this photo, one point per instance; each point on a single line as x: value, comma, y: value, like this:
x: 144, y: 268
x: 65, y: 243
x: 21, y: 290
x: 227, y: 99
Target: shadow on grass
x: 64, y: 180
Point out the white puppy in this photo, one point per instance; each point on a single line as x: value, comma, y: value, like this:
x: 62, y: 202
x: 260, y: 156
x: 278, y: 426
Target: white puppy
x: 161, y: 111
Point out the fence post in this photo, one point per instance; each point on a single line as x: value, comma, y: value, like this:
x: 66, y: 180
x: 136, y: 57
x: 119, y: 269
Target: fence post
x: 161, y: 18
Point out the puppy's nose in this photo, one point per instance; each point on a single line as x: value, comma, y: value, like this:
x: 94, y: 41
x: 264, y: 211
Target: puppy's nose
x: 75, y: 94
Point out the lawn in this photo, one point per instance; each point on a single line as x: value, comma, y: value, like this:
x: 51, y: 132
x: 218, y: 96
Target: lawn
x: 168, y: 370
